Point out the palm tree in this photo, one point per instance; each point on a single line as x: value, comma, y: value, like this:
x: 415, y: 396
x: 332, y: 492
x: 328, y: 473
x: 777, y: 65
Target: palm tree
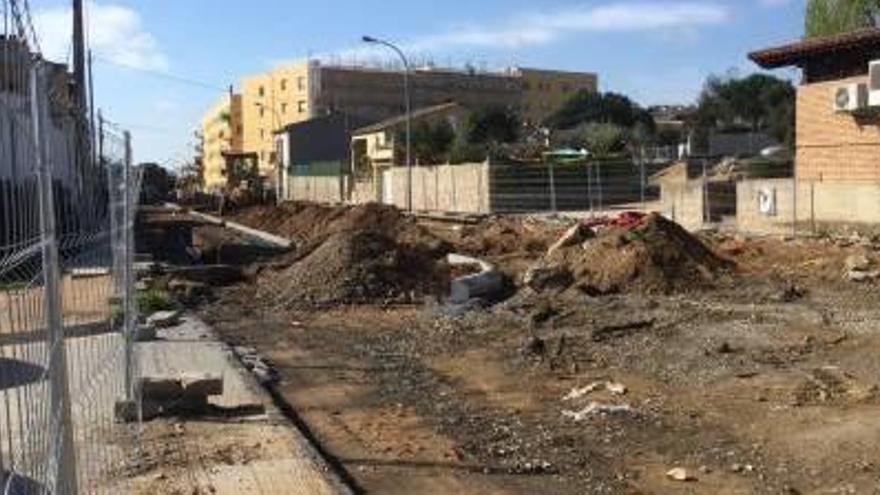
x: 830, y: 17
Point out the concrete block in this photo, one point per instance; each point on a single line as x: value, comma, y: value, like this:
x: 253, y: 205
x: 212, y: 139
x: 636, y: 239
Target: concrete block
x: 161, y: 388
x: 145, y: 333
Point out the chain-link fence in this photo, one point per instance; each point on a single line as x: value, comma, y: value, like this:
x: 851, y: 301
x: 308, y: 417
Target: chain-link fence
x: 67, y: 313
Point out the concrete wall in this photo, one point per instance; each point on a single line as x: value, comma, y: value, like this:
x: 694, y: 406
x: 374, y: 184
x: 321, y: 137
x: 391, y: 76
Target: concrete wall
x: 683, y: 202
x: 820, y: 204
x: 455, y: 188
x: 834, y: 146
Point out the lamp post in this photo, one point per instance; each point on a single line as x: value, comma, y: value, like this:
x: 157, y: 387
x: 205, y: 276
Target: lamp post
x: 408, y: 104
x: 279, y: 178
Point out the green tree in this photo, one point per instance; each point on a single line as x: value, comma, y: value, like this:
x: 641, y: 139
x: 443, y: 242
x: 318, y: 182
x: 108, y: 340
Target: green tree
x: 603, y: 139
x: 587, y: 106
x: 432, y: 143
x: 757, y: 103
x: 830, y: 17
x: 492, y: 126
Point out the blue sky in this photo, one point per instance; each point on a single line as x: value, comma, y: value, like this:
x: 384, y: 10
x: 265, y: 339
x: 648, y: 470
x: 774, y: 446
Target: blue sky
x: 656, y: 51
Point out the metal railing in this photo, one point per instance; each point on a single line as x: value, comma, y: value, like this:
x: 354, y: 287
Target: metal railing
x: 67, y: 311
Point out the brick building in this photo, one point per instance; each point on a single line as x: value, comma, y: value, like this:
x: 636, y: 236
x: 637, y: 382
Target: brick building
x: 832, y: 144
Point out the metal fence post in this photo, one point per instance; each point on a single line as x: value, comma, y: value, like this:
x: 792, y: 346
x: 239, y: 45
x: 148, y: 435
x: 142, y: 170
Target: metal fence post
x: 62, y: 444
x: 127, y: 269
x: 552, y: 177
x: 794, y: 202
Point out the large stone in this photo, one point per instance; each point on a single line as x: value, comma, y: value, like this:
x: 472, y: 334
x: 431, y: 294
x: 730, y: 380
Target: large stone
x: 857, y: 263
x: 164, y: 319
x: 201, y: 384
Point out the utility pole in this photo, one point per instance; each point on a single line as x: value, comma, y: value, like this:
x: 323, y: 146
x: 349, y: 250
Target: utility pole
x: 79, y: 56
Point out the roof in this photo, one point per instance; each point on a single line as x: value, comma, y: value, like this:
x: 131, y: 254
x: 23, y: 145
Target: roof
x: 401, y: 119
x: 795, y: 53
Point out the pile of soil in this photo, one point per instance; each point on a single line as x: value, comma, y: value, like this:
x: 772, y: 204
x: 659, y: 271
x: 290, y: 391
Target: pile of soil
x: 505, y: 235
x: 654, y: 256
x: 357, y: 254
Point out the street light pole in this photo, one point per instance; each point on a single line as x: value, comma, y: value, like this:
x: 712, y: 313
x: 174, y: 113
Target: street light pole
x: 408, y: 105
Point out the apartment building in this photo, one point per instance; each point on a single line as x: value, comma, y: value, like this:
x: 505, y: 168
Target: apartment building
x: 222, y: 132
x: 302, y: 91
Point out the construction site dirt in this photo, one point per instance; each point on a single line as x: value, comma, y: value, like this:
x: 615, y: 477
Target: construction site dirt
x: 632, y: 358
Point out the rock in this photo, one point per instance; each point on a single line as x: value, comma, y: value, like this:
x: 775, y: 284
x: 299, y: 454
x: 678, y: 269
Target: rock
x: 680, y: 474
x: 862, y: 276
x: 857, y: 263
x: 616, y: 388
x: 164, y: 319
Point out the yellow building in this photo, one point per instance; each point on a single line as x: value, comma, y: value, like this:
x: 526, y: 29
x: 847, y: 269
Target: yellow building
x: 222, y: 132
x: 270, y: 102
x: 546, y: 91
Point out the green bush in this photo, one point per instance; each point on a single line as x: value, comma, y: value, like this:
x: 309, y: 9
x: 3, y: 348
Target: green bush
x: 154, y: 300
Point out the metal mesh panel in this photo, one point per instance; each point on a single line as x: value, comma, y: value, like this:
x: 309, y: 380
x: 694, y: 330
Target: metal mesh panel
x: 66, y: 309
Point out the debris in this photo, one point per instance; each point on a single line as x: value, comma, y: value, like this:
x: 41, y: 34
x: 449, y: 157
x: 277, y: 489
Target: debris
x: 680, y: 474
x: 535, y: 346
x: 488, y: 283
x: 594, y: 408
x: 614, y: 388
x: 577, y: 393
x: 862, y: 276
x: 164, y: 319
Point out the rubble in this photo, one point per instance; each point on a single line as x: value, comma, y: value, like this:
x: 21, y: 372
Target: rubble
x: 164, y: 319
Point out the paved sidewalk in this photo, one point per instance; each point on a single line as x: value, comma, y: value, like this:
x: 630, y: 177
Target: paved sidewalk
x: 248, y: 454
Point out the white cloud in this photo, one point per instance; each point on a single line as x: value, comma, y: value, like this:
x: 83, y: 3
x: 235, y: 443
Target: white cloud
x: 541, y: 28
x: 116, y: 33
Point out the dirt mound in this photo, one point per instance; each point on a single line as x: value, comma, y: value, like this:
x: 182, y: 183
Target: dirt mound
x: 359, y: 267
x: 502, y: 235
x: 305, y: 222
x: 349, y: 254
x: 653, y: 255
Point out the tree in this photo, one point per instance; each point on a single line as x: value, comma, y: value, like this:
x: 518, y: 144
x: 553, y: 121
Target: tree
x: 602, y: 139
x: 587, y: 106
x: 830, y: 17
x: 431, y: 143
x: 492, y: 126
x: 756, y: 103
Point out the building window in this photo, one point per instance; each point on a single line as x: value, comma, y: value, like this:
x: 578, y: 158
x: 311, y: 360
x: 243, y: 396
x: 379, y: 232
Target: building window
x: 262, y: 133
x: 284, y: 108
x: 284, y: 85
x: 301, y: 106
x: 262, y: 112
x: 300, y: 83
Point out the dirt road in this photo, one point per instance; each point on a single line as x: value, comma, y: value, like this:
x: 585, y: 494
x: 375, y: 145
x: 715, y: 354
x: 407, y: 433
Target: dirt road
x: 765, y: 383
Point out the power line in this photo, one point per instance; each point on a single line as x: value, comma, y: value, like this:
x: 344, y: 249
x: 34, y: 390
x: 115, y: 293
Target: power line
x: 164, y: 75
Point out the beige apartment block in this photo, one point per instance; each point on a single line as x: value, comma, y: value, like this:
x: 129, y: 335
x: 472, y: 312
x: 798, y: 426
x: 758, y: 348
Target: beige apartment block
x: 546, y: 91
x: 293, y: 93
x: 222, y: 132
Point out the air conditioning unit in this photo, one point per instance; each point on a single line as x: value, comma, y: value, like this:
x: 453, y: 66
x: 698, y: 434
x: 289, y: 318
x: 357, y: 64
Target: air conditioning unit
x: 874, y: 84
x: 850, y: 98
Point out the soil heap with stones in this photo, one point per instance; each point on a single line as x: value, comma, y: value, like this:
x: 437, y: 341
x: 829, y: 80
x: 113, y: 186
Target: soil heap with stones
x: 654, y: 255
x: 359, y: 254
